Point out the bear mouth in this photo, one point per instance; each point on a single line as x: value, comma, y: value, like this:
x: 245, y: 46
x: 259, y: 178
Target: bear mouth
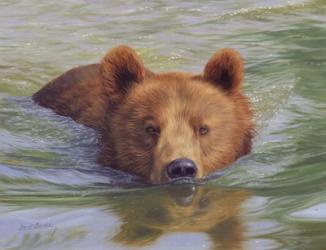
x: 189, y: 180
x: 185, y: 180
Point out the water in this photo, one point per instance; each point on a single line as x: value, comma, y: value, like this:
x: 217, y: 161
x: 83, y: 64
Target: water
x: 53, y: 195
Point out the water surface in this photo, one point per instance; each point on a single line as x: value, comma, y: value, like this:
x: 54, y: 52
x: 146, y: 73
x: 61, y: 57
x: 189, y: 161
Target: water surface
x: 53, y: 195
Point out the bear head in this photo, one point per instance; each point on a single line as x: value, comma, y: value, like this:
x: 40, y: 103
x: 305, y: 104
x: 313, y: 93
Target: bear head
x: 165, y: 126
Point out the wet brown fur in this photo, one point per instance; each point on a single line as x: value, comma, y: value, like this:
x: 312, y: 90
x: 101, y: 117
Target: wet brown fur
x: 120, y: 97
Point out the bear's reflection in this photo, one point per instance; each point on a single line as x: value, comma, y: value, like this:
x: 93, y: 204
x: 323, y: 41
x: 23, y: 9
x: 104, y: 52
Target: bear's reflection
x: 147, y: 216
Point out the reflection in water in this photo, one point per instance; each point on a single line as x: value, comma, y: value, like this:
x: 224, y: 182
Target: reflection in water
x: 141, y: 218
x: 198, y: 209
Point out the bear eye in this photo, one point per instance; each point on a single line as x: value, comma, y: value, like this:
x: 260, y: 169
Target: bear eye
x: 203, y: 130
x: 152, y: 130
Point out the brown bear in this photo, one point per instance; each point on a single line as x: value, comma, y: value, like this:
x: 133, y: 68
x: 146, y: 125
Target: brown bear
x: 159, y: 126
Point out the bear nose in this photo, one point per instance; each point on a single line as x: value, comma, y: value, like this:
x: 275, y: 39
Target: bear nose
x: 181, y: 168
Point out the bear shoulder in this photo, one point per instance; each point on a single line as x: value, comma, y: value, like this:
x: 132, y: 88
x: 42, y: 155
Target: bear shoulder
x: 77, y: 93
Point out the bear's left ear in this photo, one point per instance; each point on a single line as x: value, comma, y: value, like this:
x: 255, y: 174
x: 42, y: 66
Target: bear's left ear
x: 225, y: 69
x: 121, y: 67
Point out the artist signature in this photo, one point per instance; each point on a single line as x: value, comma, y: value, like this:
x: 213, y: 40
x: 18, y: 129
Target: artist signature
x: 36, y: 226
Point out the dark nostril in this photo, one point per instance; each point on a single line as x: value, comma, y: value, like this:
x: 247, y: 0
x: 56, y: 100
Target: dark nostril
x: 181, y: 168
x: 176, y: 171
x: 190, y: 171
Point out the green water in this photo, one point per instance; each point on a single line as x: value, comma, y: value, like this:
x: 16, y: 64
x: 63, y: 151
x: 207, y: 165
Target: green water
x: 54, y: 196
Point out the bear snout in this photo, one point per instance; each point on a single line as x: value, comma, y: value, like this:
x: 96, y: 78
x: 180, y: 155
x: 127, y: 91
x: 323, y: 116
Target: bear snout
x: 181, y: 167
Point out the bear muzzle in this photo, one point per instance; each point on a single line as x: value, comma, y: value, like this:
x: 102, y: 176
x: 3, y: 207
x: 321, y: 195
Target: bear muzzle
x: 176, y: 169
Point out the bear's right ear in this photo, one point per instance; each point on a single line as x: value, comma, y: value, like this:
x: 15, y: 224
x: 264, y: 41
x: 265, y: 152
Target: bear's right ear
x: 121, y: 67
